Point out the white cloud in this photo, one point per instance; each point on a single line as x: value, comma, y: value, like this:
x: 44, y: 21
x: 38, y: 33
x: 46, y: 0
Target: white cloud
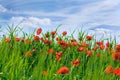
x: 101, y: 12
x: 30, y: 21
x: 2, y: 9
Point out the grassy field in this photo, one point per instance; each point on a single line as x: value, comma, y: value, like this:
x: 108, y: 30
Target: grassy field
x: 53, y: 56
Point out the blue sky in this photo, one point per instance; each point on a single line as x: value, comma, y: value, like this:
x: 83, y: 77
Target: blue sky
x: 100, y: 15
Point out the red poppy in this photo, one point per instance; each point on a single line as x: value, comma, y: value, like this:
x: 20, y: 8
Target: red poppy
x: 53, y: 32
x: 107, y: 44
x: 89, y: 53
x: 83, y: 44
x: 28, y: 53
x: 59, y: 55
x: 75, y: 62
x: 99, y: 43
x: 95, y: 48
x: 118, y: 48
x: 116, y: 56
x: 109, y: 69
x: 36, y: 38
x: 64, y: 33
x: 102, y: 47
x: 45, y: 72
x: 7, y: 40
x: 51, y: 51
x: 74, y: 43
x: 117, y: 71
x: 63, y: 70
x: 88, y: 37
x: 33, y: 50
x: 26, y: 41
x: 46, y: 41
x: 17, y: 39
x: 39, y: 30
x: 80, y: 49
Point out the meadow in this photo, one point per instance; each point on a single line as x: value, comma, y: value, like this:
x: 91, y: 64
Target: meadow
x: 57, y: 56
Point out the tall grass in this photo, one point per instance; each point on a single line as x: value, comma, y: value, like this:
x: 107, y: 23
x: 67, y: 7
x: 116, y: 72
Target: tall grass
x: 30, y: 57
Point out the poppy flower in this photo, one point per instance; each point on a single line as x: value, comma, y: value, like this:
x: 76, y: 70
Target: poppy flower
x: 28, y: 53
x: 45, y: 72
x: 53, y: 32
x: 26, y: 41
x: 63, y: 70
x: 109, y: 69
x: 17, y: 39
x: 33, y: 50
x: 7, y: 40
x: 95, y: 48
x: 116, y: 56
x: 75, y: 62
x: 36, y: 38
x: 88, y: 38
x: 102, y: 47
x: 99, y: 43
x: 50, y: 51
x: 39, y: 30
x: 118, y: 48
x: 80, y: 49
x: 117, y: 71
x: 74, y: 43
x: 64, y: 33
x: 45, y: 41
x: 59, y: 55
x: 89, y: 53
x: 83, y: 44
x: 107, y: 44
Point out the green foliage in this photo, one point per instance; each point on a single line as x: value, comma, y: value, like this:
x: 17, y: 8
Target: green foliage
x: 15, y: 65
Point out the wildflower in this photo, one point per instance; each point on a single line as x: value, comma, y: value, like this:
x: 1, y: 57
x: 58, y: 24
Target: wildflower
x: 50, y: 51
x: 28, y: 53
x: 33, y: 50
x: 116, y: 56
x: 46, y: 41
x: 64, y: 33
x: 88, y: 38
x: 102, y: 47
x: 95, y: 48
x: 75, y: 62
x: 36, y: 38
x: 83, y: 44
x: 62, y: 42
x: 89, y: 53
x: 118, y: 48
x: 45, y: 72
x: 107, y: 44
x: 59, y: 55
x: 57, y: 38
x: 53, y: 32
x: 109, y: 69
x: 17, y: 39
x: 39, y: 30
x: 99, y: 43
x: 26, y: 41
x: 7, y: 40
x: 74, y: 43
x: 63, y: 70
x: 117, y: 71
x: 80, y: 49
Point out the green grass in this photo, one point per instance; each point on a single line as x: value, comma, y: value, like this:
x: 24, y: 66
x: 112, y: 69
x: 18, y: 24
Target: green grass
x: 15, y: 65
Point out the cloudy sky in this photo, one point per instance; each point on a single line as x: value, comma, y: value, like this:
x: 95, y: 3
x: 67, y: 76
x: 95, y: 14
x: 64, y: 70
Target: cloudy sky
x: 100, y: 15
